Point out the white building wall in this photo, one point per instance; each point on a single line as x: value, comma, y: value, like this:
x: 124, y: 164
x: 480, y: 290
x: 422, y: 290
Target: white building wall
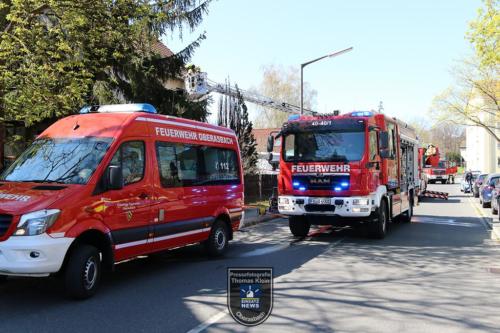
x: 482, y: 151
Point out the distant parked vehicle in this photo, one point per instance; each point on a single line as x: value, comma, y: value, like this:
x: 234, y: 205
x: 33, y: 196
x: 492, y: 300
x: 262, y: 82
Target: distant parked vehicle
x: 477, y: 184
x: 495, y: 198
x: 486, y: 189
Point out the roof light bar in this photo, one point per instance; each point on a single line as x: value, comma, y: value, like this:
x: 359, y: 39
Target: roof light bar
x: 362, y: 114
x: 139, y: 107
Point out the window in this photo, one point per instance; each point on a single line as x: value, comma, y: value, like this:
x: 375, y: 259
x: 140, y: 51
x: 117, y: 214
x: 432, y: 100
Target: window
x: 220, y: 166
x: 289, y: 147
x: 131, y: 158
x: 373, y: 145
x: 324, y: 146
x: 60, y: 160
x: 392, y: 140
x: 189, y: 165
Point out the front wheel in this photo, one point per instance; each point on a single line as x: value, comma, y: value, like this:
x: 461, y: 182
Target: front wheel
x: 83, y: 272
x: 299, y: 226
x: 378, y: 226
x: 218, y: 241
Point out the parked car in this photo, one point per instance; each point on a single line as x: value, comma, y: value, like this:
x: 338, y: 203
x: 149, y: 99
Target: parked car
x: 477, y: 184
x: 487, y: 188
x: 495, y: 198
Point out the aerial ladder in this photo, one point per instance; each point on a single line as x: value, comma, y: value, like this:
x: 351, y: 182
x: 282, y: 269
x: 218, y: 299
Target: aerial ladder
x: 198, y: 87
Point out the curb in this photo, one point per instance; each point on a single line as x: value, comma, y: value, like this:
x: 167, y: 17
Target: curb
x: 261, y: 219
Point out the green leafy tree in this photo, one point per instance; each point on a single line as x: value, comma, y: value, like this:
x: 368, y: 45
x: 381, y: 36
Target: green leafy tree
x: 484, y: 33
x: 233, y: 113
x: 56, y: 56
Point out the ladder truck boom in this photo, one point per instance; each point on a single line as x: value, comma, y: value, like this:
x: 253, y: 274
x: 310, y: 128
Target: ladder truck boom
x: 198, y: 86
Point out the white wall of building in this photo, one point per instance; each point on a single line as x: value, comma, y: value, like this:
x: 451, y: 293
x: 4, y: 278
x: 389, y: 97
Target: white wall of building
x: 482, y: 151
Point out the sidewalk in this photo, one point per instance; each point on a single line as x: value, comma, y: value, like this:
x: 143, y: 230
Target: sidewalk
x: 254, y: 215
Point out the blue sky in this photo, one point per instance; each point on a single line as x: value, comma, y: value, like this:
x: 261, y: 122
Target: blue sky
x: 403, y: 50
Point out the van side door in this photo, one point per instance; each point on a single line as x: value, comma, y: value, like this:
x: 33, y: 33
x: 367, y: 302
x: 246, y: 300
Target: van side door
x: 128, y: 212
x: 181, y: 212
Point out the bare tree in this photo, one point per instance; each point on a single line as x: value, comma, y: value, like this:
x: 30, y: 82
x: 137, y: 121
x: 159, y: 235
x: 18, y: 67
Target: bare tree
x: 282, y: 84
x: 474, y: 100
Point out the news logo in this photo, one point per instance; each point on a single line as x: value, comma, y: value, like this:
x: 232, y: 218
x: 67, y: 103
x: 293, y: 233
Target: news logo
x: 250, y: 294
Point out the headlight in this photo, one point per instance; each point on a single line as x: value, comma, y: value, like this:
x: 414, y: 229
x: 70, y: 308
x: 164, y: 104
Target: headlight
x: 36, y: 223
x: 360, y: 202
x: 284, y: 201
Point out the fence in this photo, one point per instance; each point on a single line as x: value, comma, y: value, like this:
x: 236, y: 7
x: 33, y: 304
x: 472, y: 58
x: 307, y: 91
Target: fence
x: 259, y: 187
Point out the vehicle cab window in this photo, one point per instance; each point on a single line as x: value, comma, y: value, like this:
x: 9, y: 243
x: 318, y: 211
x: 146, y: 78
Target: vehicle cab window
x: 373, y: 145
x: 131, y: 158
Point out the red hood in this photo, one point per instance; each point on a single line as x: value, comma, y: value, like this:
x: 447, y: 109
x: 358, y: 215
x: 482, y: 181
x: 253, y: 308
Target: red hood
x: 20, y: 198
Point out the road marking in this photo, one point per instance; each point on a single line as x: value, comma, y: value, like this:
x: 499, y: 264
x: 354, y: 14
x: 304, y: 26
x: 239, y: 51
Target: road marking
x: 215, y: 318
x: 209, y: 322
x: 433, y: 220
x: 265, y: 250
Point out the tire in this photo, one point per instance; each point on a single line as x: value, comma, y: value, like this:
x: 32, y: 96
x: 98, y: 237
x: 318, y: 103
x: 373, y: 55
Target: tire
x: 83, y: 272
x: 217, y: 243
x: 377, y: 228
x: 406, y: 216
x: 299, y: 226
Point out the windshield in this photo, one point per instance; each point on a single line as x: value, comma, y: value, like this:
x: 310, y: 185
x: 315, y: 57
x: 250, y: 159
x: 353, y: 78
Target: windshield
x: 329, y: 146
x: 67, y: 161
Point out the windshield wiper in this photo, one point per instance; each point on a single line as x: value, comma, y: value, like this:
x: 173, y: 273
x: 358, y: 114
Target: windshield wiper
x: 42, y: 181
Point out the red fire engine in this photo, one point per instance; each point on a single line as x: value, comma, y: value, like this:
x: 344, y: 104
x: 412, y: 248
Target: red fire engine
x: 360, y: 167
x: 436, y: 169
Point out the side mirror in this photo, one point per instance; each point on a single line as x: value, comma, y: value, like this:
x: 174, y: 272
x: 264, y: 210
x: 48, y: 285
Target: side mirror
x: 114, y: 178
x: 270, y: 143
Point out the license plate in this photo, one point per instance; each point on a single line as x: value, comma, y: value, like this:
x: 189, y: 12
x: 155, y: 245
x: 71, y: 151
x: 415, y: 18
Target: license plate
x: 320, y: 201
x: 439, y: 177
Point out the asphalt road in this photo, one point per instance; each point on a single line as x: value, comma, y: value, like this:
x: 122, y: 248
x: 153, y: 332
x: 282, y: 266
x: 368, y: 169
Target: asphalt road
x: 440, y: 273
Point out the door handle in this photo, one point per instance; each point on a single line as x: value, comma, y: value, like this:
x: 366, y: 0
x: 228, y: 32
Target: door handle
x: 143, y: 196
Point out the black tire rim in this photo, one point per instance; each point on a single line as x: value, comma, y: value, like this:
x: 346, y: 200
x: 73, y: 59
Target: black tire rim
x: 220, y: 238
x: 90, y: 273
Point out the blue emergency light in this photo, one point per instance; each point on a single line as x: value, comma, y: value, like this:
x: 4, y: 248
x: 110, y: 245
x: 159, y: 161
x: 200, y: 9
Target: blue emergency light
x: 362, y: 114
x: 294, y: 117
x: 138, y: 107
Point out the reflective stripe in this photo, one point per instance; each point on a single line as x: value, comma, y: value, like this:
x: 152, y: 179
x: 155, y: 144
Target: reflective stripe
x: 235, y: 210
x: 187, y: 233
x: 180, y: 124
x: 120, y: 246
x: 159, y: 239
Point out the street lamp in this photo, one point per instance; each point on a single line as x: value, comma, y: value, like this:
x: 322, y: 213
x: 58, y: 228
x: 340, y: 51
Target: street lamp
x: 308, y: 63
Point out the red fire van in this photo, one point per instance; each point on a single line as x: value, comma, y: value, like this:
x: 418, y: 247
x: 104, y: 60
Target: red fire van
x: 112, y: 183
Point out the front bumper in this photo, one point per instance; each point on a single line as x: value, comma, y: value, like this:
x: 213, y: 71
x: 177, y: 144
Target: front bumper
x: 16, y: 255
x: 343, y: 206
x: 437, y: 177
